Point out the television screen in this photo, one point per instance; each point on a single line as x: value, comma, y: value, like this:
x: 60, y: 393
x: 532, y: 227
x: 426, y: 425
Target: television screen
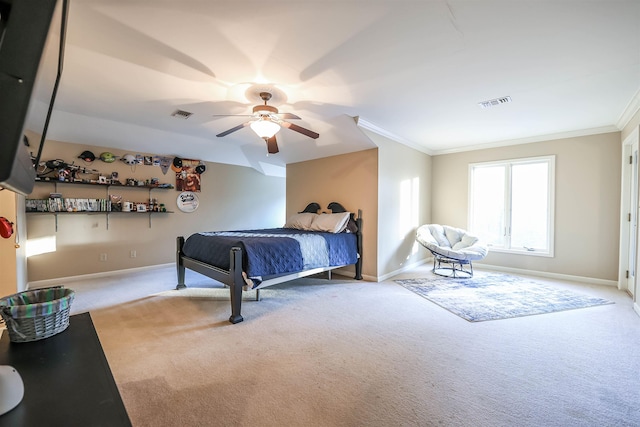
x: 24, y: 27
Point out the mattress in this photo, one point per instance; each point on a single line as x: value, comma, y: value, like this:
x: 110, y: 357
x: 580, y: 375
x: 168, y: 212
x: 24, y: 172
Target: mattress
x: 274, y: 251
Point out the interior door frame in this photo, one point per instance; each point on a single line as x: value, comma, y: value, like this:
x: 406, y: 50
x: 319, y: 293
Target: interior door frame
x: 625, y: 209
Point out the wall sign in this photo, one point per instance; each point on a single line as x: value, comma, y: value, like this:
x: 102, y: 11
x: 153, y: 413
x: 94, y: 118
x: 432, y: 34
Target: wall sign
x: 188, y: 201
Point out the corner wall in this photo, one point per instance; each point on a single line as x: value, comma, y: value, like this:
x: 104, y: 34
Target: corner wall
x: 587, y: 217
x: 392, y: 186
x: 633, y: 124
x: 404, y: 203
x: 350, y: 179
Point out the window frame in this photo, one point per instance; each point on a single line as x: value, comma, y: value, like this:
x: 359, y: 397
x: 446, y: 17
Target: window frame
x: 509, y: 163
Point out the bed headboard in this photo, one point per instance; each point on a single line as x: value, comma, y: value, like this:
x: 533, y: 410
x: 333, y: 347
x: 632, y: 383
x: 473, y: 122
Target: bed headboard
x: 311, y: 208
x: 336, y: 207
x: 354, y: 225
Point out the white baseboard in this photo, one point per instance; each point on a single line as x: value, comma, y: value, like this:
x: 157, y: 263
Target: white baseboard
x: 400, y: 270
x: 64, y: 280
x: 54, y: 282
x: 581, y: 279
x: 368, y: 278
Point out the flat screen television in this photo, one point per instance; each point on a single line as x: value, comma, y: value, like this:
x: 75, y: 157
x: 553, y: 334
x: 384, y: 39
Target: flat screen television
x: 24, y: 27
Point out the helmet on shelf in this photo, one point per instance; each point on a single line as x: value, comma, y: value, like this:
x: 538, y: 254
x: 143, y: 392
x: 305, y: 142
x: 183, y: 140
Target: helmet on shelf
x: 129, y: 159
x: 54, y: 164
x: 107, y: 157
x: 87, y: 156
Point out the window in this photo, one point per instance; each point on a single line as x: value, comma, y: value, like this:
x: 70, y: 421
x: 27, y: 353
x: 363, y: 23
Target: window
x: 511, y: 204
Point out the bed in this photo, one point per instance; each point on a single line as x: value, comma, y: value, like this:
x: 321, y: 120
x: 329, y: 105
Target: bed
x: 309, y: 243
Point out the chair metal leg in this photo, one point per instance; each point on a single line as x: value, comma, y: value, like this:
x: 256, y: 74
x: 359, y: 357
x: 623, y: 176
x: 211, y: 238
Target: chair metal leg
x: 455, y: 270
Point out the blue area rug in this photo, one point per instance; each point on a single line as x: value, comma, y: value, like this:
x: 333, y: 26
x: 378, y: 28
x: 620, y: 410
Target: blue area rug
x: 492, y: 296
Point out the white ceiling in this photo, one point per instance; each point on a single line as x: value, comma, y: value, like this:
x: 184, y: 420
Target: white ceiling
x: 413, y: 70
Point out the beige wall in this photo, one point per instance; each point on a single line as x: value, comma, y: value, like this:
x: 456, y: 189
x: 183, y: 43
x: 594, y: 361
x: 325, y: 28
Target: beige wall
x: 587, y: 202
x: 12, y: 264
x: 352, y: 180
x: 232, y: 197
x: 404, y: 203
x: 8, y: 279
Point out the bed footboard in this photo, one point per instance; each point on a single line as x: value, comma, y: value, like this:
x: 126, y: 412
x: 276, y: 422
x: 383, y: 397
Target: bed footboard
x: 235, y: 288
x: 180, y: 263
x: 232, y: 278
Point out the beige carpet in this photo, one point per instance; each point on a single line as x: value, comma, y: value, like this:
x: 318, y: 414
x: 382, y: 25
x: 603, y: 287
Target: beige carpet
x: 348, y: 353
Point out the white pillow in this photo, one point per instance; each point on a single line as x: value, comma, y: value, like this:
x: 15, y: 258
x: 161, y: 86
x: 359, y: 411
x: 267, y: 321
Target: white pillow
x: 454, y: 235
x: 301, y: 221
x: 467, y: 240
x: 331, y: 223
x: 437, y: 231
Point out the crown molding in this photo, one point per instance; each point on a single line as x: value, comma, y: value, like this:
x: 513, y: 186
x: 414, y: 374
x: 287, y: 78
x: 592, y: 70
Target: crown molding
x: 631, y: 109
x: 497, y: 144
x: 380, y: 131
x: 528, y: 140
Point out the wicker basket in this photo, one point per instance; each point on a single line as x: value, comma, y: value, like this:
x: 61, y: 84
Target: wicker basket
x: 36, y: 314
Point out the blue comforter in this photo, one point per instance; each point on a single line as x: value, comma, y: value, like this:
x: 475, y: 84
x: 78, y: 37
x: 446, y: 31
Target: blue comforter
x: 274, y: 251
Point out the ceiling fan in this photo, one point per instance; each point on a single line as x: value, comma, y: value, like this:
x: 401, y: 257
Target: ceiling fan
x: 267, y: 122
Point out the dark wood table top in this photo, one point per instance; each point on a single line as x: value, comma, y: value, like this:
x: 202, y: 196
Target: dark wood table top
x: 67, y: 380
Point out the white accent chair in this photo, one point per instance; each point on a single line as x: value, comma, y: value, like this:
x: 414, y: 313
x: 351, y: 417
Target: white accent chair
x: 453, y: 249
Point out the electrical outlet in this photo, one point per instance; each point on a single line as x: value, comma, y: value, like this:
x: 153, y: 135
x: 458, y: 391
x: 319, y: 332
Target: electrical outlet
x: 132, y: 254
x: 103, y: 257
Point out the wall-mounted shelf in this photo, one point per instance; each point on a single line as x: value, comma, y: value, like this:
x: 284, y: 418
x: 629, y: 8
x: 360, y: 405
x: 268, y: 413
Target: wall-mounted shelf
x: 107, y: 185
x: 107, y: 212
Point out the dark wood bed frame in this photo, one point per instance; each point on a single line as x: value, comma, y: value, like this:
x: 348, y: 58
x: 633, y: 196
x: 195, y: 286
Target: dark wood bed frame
x: 234, y: 278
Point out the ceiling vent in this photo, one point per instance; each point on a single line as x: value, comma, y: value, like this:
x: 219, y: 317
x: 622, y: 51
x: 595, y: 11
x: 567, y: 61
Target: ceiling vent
x: 493, y: 102
x: 181, y: 114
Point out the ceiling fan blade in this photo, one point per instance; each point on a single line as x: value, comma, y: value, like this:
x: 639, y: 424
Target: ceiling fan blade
x: 300, y: 129
x: 272, y: 145
x: 287, y: 116
x: 227, y: 132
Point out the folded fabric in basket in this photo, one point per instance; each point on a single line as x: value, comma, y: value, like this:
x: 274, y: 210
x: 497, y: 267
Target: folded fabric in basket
x: 37, y: 302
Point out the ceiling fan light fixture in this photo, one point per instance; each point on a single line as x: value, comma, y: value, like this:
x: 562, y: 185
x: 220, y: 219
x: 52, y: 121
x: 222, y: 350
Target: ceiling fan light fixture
x: 265, y: 128
x: 266, y: 122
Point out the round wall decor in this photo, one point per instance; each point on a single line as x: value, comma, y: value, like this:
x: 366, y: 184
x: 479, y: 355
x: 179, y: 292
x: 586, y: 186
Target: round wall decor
x: 188, y: 201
